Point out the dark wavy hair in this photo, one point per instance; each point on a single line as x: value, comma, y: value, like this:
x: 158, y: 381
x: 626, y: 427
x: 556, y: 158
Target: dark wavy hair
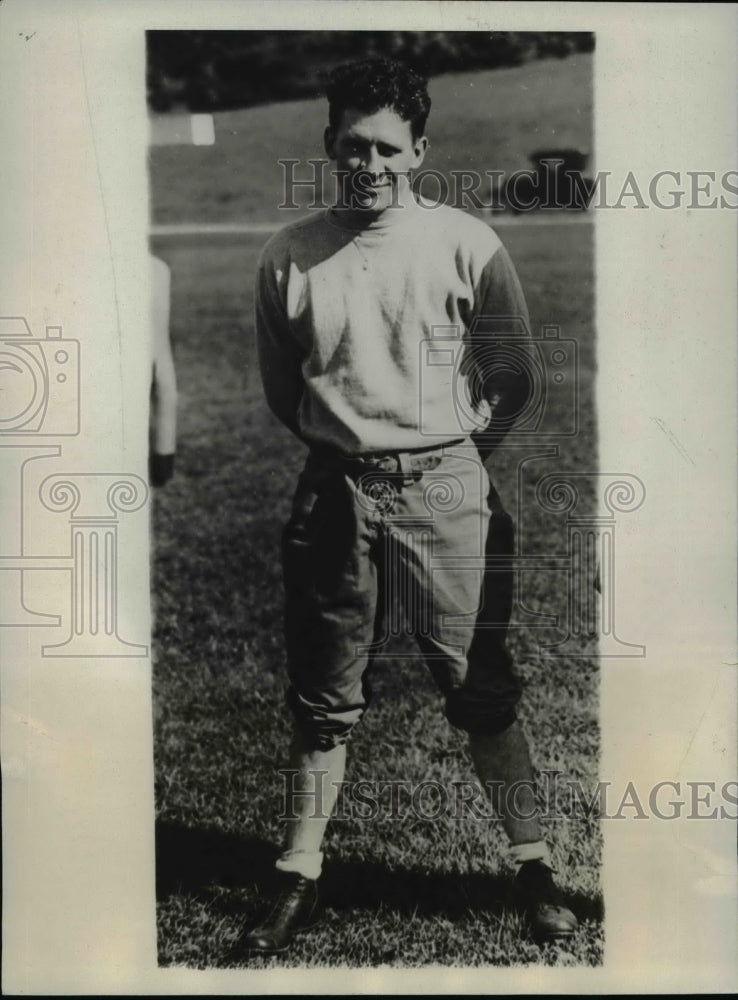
x: 372, y: 84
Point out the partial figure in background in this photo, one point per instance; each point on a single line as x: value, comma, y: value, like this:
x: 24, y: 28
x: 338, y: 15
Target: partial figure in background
x: 163, y: 416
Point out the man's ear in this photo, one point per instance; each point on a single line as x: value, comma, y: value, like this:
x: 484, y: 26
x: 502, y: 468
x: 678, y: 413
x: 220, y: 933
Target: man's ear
x: 329, y: 141
x: 420, y: 148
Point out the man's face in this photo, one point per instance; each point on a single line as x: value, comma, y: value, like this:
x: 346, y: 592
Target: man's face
x: 375, y: 152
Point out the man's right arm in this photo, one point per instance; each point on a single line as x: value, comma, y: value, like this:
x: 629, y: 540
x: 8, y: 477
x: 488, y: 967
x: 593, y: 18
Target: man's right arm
x: 280, y: 358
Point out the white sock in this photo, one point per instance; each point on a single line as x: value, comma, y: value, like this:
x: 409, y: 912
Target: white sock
x: 305, y: 863
x: 537, y: 851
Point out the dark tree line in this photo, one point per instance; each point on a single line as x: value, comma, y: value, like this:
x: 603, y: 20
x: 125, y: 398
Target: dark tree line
x: 213, y: 70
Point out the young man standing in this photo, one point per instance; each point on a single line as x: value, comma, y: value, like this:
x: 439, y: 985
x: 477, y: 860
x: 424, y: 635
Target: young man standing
x: 347, y: 301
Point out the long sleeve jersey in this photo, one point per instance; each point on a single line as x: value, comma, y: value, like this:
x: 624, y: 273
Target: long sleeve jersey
x: 365, y: 336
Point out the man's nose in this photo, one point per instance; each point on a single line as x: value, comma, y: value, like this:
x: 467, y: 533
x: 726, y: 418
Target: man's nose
x: 374, y: 164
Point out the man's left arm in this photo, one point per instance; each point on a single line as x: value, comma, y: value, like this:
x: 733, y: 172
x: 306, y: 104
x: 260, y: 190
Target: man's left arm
x: 500, y: 346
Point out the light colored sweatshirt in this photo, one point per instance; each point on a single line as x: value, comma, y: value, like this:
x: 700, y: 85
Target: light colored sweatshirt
x: 363, y: 335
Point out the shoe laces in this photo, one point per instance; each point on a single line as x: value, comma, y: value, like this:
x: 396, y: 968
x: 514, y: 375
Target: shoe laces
x: 284, y: 900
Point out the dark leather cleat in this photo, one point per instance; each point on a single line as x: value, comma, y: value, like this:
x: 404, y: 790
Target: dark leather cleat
x: 294, y: 910
x: 543, y: 902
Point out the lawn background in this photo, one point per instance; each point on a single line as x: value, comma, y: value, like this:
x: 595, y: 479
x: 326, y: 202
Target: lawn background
x: 408, y: 894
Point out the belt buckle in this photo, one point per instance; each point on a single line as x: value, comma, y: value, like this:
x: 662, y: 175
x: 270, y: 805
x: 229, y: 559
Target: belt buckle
x: 386, y: 463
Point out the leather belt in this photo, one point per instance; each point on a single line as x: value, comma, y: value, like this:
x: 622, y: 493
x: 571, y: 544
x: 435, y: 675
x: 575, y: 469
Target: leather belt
x: 398, y: 467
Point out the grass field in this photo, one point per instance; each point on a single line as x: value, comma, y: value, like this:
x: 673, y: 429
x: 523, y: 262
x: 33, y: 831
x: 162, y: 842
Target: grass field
x: 413, y: 893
